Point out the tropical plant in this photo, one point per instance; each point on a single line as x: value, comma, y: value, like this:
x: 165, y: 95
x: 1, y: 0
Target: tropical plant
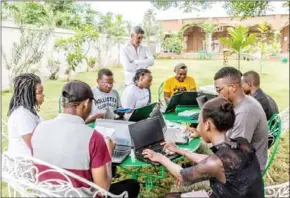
x: 92, y: 61
x: 77, y: 47
x: 173, y: 43
x: 264, y: 38
x: 25, y: 53
x: 239, y: 41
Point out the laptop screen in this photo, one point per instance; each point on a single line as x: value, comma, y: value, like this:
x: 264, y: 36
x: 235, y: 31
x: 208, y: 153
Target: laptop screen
x: 188, y: 98
x: 142, y: 112
x: 157, y: 113
x: 146, y: 132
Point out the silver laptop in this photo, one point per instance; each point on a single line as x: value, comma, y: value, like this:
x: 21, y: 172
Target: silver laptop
x: 175, y: 135
x: 121, y: 136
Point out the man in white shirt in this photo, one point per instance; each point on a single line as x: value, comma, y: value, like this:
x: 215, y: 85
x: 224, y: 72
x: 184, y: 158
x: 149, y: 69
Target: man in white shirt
x: 135, y: 56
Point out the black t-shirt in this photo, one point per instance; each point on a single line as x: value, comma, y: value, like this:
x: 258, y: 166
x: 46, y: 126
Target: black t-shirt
x: 242, y: 171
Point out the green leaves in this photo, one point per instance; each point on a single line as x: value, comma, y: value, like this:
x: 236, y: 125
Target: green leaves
x: 238, y: 41
x: 173, y: 43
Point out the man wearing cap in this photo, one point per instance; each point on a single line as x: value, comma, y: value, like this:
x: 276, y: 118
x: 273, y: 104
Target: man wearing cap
x: 178, y: 83
x: 68, y: 143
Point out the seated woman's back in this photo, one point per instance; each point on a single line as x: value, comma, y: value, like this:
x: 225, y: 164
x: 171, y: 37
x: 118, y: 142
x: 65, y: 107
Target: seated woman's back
x: 241, y: 169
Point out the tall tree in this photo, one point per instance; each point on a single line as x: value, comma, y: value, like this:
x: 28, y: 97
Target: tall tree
x: 150, y: 24
x: 234, y: 8
x: 238, y: 41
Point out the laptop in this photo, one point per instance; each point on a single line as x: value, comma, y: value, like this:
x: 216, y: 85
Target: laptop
x: 173, y: 102
x: 121, y: 136
x: 148, y: 134
x: 188, y: 98
x: 175, y: 135
x: 142, y: 113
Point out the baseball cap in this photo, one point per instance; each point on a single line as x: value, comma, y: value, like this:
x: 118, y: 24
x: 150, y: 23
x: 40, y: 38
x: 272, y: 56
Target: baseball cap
x: 178, y: 66
x: 77, y: 91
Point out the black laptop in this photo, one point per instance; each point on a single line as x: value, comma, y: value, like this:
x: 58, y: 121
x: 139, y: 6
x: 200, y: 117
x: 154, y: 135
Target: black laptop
x: 188, y: 98
x: 148, y: 134
x: 142, y: 113
x: 173, y: 102
x: 175, y: 135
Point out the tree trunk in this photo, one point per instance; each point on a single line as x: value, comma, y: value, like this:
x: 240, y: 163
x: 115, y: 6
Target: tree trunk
x: 239, y: 60
x: 118, y: 53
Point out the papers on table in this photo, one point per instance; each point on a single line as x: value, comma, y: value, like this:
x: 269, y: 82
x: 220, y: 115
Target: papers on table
x: 106, y: 132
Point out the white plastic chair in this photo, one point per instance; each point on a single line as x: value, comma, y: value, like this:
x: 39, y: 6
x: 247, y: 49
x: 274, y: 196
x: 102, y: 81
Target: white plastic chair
x: 284, y: 115
x: 21, y: 177
x: 280, y: 190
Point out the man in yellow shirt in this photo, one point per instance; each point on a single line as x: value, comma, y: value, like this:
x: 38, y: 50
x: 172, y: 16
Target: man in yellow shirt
x: 178, y: 83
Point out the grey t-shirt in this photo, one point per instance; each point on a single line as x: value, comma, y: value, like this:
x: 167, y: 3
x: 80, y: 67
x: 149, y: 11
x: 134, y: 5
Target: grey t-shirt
x: 105, y: 100
x: 251, y: 124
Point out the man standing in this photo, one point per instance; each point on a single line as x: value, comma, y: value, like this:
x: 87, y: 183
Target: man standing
x: 251, y: 86
x: 134, y: 56
x: 251, y: 121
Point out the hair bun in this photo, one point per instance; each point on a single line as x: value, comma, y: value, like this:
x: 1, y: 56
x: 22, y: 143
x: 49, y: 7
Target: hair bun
x: 227, y: 107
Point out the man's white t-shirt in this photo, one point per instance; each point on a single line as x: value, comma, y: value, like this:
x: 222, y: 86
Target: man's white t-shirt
x: 133, y: 97
x: 21, y: 122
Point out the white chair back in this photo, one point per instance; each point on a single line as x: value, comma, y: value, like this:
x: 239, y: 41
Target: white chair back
x: 21, y: 176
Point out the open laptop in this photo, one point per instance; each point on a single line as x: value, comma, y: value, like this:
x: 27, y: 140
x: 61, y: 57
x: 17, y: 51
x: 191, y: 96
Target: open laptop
x: 188, y: 98
x: 173, y: 102
x: 148, y: 134
x: 142, y: 113
x: 175, y: 135
x: 121, y: 136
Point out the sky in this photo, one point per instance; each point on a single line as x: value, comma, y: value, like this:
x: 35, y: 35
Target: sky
x: 134, y: 10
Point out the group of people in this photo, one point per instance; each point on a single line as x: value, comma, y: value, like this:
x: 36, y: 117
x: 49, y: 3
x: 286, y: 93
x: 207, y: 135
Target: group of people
x: 233, y: 124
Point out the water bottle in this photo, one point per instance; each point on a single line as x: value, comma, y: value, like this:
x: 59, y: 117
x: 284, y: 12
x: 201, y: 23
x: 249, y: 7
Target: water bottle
x: 132, y: 155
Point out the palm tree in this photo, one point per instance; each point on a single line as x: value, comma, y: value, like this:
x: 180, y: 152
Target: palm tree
x: 238, y: 41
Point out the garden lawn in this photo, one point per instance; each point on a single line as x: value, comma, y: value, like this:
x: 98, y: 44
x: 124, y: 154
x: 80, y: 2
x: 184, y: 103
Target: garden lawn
x: 274, y: 81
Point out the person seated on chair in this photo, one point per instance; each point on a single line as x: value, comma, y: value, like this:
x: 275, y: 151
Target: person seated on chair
x: 136, y: 95
x: 105, y: 95
x: 67, y: 142
x: 251, y: 86
x: 232, y: 170
x: 23, y: 112
x: 178, y: 83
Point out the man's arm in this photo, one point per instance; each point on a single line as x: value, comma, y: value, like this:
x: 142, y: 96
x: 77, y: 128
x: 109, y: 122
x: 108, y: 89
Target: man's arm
x: 166, y: 90
x: 194, y: 157
x: 193, y: 85
x: 167, y: 97
x: 100, y: 161
x: 147, y: 62
x: 244, y: 126
x: 128, y: 64
x: 93, y: 118
x: 208, y: 168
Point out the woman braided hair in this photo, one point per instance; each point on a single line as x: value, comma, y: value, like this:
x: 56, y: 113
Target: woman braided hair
x: 24, y: 93
x: 139, y: 74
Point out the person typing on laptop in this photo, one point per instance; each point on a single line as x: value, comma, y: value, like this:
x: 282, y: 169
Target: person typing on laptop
x: 178, y: 83
x: 105, y: 95
x: 67, y: 142
x: 233, y: 170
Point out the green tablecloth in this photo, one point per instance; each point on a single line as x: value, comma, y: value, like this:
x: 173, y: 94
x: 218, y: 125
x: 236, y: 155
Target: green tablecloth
x: 173, y: 116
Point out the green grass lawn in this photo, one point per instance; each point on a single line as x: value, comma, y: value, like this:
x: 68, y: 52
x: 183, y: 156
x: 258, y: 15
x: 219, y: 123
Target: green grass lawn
x: 274, y: 81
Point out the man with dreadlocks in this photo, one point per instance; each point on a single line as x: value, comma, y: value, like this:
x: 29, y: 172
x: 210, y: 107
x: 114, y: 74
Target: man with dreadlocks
x: 23, y: 118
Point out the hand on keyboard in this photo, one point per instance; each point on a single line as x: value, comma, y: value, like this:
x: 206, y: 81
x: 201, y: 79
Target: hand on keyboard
x: 151, y: 155
x: 170, y: 147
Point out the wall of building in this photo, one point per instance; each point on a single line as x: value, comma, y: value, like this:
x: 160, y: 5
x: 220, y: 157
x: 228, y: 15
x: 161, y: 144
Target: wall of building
x: 108, y: 51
